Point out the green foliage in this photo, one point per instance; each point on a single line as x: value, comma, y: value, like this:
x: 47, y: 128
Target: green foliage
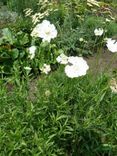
x: 20, y: 5
x: 76, y: 20
x: 56, y: 116
x: 112, y: 29
x: 14, y: 48
x: 63, y: 117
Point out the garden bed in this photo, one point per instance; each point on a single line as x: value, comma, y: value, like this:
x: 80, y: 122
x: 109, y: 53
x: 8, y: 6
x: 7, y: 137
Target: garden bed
x: 58, y: 79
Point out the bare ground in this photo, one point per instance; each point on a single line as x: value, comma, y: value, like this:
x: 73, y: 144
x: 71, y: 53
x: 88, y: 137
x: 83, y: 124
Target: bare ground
x: 102, y: 62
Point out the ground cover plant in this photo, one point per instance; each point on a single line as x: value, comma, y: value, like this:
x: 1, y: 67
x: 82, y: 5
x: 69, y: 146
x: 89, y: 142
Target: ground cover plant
x: 66, y: 117
x: 51, y: 102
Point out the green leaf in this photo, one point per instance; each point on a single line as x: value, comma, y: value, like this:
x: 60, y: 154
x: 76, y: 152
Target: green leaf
x: 7, y: 35
x: 15, y: 53
x: 24, y: 39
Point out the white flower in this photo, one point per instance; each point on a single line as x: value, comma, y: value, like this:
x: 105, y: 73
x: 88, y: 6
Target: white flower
x: 46, y: 69
x: 81, y: 39
x: 112, y: 45
x: 98, y: 32
x: 77, y: 67
x: 27, y: 68
x: 45, y: 30
x: 32, y: 50
x: 62, y: 59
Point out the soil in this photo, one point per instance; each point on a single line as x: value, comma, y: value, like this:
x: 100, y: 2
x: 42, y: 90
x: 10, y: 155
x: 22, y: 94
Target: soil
x: 102, y: 62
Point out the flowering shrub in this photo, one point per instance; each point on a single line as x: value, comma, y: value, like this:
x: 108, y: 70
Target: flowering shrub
x: 28, y: 49
x: 40, y: 48
x: 44, y: 44
x: 49, y: 105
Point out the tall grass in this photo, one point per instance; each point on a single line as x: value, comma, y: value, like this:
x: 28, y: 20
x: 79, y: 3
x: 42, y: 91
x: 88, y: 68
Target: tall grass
x: 63, y: 117
x: 20, y: 5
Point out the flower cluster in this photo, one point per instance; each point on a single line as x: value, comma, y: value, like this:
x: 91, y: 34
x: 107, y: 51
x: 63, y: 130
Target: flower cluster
x: 75, y: 66
x: 45, y: 30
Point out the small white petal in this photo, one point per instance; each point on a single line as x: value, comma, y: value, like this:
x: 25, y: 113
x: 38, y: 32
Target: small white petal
x: 98, y: 32
x: 62, y: 59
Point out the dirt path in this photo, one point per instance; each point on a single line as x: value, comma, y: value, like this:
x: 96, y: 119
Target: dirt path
x: 103, y: 62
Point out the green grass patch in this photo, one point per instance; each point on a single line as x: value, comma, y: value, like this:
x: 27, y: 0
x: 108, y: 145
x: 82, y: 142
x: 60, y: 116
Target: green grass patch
x: 65, y: 116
